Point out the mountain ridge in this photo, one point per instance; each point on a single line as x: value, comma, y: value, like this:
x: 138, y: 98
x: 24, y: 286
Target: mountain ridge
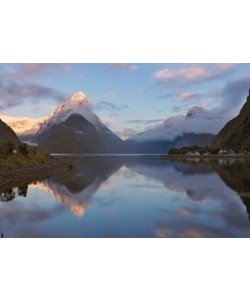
x: 235, y: 134
x: 7, y: 133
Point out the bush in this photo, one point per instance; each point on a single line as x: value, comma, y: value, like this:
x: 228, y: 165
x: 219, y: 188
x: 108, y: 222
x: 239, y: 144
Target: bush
x: 6, y: 149
x: 23, y: 150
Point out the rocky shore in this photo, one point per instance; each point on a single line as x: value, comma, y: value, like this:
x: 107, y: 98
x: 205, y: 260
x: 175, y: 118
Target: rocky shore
x: 28, y: 174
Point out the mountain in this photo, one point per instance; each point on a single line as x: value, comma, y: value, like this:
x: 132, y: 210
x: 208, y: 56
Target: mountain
x: 25, y: 127
x: 7, y: 134
x: 73, y: 127
x: 198, y: 127
x: 235, y: 134
x: 74, y: 135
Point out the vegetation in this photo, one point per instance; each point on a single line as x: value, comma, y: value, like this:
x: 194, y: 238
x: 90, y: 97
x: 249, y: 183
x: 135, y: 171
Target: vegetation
x: 6, y: 149
x: 193, y: 149
x: 235, y: 134
x: 13, y: 157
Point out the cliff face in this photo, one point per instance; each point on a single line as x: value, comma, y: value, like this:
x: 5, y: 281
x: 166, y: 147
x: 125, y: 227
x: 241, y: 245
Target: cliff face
x: 236, y: 133
x: 7, y: 134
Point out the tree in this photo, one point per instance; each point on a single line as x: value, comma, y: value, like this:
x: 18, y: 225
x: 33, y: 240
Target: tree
x: 23, y: 150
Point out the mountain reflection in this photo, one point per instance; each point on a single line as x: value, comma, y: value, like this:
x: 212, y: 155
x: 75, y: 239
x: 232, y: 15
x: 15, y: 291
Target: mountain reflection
x: 75, y: 189
x: 219, y: 187
x: 135, y: 197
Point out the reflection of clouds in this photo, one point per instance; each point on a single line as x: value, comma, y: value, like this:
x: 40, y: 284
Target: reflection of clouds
x: 146, y: 185
x: 15, y: 216
x: 189, y: 233
x: 222, y: 215
x: 192, y: 233
x: 143, y: 198
x: 163, y: 233
x: 186, y: 211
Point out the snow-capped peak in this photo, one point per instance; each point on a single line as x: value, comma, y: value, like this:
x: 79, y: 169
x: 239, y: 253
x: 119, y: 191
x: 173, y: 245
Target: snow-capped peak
x: 24, y: 127
x: 80, y: 97
x: 196, y: 112
x: 198, y: 120
x: 201, y: 113
x: 78, y: 103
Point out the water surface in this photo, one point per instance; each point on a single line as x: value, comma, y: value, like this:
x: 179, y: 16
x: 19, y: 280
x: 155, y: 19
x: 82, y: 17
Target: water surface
x: 133, y: 197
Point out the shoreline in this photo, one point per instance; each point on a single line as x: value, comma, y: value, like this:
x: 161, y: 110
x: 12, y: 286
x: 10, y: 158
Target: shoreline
x: 28, y: 174
x: 212, y: 156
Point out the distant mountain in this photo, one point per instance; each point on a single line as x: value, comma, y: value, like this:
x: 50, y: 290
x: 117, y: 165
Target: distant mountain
x: 235, y: 134
x: 198, y: 127
x: 25, y: 127
x: 7, y: 134
x: 73, y: 127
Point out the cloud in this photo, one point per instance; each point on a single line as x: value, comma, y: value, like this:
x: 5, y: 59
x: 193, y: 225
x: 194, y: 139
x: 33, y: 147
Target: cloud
x: 26, y: 70
x: 106, y: 105
x: 196, y: 73
x: 122, y: 67
x: 190, y: 73
x: 189, y: 96
x: 163, y: 74
x: 124, y: 133
x: 14, y: 93
x: 234, y: 93
x: 150, y: 121
x: 111, y: 94
x: 168, y: 95
x: 108, y: 122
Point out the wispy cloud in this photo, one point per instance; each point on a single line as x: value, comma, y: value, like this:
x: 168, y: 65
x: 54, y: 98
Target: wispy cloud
x: 124, y: 133
x: 27, y: 70
x: 14, y: 93
x: 147, y: 122
x: 111, y: 94
x: 193, y: 74
x: 107, y: 105
x: 189, y: 96
x: 189, y: 73
x: 233, y: 94
x: 108, y: 122
x: 122, y: 67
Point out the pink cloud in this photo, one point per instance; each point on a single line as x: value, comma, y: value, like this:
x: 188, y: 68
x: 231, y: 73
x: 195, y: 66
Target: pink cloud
x: 28, y: 69
x: 187, y: 95
x: 227, y: 66
x: 189, y: 73
x: 192, y: 72
x: 163, y: 74
x: 122, y: 67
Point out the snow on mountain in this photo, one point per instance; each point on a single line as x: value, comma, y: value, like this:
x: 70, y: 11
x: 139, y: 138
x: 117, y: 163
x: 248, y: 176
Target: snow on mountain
x: 78, y: 109
x: 24, y: 127
x: 77, y: 103
x: 197, y: 112
x: 172, y: 120
x: 197, y: 120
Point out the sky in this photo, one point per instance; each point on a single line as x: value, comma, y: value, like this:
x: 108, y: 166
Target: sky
x: 128, y: 98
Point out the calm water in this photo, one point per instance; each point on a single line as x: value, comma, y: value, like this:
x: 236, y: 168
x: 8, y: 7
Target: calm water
x: 133, y: 197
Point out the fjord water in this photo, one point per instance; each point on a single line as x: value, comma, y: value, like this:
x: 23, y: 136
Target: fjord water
x: 133, y: 197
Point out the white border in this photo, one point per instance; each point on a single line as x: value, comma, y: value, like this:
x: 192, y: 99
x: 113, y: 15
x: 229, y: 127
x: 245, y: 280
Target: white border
x: 124, y: 31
